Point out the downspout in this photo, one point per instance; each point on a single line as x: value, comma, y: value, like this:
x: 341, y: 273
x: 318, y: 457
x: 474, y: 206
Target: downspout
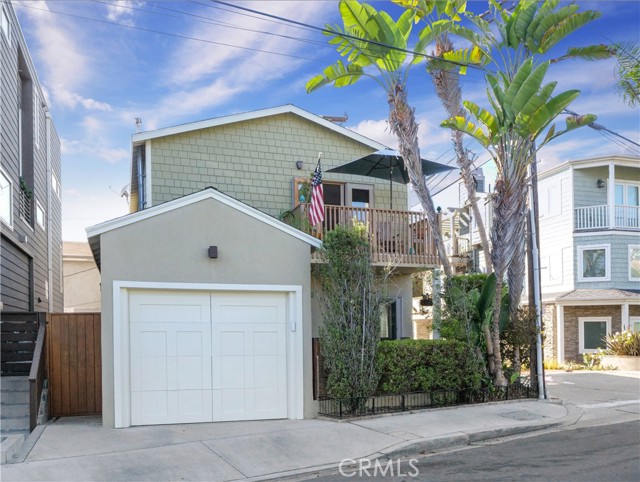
x: 141, y: 194
x: 49, y: 216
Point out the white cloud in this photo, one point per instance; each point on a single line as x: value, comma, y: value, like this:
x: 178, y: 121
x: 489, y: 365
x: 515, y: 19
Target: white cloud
x: 72, y: 100
x: 377, y: 130
x: 120, y: 11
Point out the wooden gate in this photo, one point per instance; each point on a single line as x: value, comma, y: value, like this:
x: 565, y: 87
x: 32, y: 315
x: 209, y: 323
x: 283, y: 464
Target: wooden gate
x: 75, y: 367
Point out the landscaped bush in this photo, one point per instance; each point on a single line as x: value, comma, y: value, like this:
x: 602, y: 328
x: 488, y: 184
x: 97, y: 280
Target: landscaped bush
x: 626, y: 343
x: 407, y: 366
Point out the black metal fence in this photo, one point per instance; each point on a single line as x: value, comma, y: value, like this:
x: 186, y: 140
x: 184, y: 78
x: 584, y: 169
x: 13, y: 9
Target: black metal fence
x: 358, y: 407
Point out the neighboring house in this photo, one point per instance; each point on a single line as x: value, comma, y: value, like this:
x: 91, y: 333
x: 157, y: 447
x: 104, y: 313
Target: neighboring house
x: 81, y: 278
x: 205, y: 268
x: 30, y: 182
x: 589, y: 253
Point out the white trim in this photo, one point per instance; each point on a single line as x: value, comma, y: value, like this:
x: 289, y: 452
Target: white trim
x: 611, y: 193
x: 560, y: 334
x: 208, y: 193
x: 256, y: 114
x: 581, y: 321
x: 626, y: 161
x: 631, y: 248
x: 9, y: 222
x: 607, y: 232
x: 625, y: 321
x: 5, y: 27
x: 121, y: 356
x: 607, y: 254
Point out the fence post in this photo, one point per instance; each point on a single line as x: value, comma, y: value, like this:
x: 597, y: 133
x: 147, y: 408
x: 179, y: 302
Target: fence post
x: 373, y: 405
x: 340, y: 408
x: 402, y: 403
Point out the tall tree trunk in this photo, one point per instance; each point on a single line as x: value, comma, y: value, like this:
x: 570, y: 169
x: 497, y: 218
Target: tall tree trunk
x: 516, y: 271
x: 447, y: 84
x: 510, y: 199
x: 402, y: 122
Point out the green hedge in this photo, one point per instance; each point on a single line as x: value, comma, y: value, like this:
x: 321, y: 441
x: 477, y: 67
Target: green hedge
x: 407, y: 366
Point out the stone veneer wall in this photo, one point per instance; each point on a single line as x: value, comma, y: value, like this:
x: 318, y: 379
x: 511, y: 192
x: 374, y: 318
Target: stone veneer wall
x: 571, y: 315
x: 634, y: 310
x: 549, y: 332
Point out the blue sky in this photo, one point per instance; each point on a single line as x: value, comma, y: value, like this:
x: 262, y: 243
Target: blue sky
x: 100, y: 74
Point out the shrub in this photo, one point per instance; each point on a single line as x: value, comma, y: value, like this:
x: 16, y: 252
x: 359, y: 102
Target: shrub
x: 626, y: 343
x: 351, y: 305
x: 407, y: 366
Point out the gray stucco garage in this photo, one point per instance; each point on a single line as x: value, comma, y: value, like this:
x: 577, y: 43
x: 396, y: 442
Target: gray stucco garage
x: 193, y: 334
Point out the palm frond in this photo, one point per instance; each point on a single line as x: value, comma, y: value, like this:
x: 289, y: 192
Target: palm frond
x: 338, y: 74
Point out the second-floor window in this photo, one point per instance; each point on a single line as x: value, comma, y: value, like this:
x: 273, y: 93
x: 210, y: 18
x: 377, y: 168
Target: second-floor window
x: 6, y: 199
x: 634, y: 263
x: 594, y: 263
x: 40, y: 215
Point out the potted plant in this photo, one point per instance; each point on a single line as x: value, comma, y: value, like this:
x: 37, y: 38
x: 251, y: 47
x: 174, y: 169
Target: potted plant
x: 623, y: 351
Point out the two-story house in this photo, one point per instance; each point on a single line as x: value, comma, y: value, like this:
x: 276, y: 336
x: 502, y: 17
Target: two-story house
x: 30, y: 182
x: 589, y: 218
x: 209, y: 304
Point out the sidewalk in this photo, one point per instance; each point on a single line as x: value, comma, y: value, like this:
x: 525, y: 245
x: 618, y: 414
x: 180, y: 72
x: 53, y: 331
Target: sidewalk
x: 80, y: 449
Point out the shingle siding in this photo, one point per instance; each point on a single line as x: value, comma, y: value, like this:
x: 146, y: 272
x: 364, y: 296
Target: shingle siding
x: 25, y: 247
x: 254, y: 161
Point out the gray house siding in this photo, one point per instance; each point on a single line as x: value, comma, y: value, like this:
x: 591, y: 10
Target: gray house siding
x: 28, y: 278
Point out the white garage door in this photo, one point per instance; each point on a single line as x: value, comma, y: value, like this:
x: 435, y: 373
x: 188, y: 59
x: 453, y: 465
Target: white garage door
x: 199, y: 357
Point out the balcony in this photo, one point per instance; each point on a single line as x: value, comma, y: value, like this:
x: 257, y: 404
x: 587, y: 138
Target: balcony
x: 600, y: 217
x: 397, y: 238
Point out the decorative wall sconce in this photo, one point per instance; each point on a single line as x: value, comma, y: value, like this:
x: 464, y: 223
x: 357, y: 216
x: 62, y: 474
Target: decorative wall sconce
x: 600, y: 183
x: 213, y: 252
x: 299, y: 164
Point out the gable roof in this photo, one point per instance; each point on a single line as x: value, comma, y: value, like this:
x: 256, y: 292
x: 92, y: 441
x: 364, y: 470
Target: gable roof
x: 256, y: 114
x: 94, y: 232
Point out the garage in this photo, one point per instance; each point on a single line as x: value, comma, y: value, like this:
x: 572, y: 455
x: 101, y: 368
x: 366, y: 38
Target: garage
x: 203, y: 357
x: 206, y: 314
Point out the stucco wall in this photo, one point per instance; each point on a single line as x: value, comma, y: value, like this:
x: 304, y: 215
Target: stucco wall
x: 255, y: 161
x: 172, y: 247
x: 399, y: 286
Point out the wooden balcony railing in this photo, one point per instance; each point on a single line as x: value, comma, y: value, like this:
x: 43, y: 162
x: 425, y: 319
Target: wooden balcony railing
x: 396, y: 237
x: 598, y: 217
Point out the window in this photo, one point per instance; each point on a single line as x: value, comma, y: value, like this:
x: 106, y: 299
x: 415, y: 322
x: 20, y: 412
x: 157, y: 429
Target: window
x: 634, y: 263
x: 55, y: 185
x: 389, y: 320
x: 594, y: 263
x: 6, y: 199
x: 40, y: 215
x: 592, y: 333
x: 634, y: 323
x: 4, y: 24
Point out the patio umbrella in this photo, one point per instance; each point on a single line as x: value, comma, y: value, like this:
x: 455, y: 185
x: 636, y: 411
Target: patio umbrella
x: 387, y: 164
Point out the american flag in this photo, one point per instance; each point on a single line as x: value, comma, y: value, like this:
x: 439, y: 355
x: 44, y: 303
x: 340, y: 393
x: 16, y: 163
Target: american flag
x: 316, y: 209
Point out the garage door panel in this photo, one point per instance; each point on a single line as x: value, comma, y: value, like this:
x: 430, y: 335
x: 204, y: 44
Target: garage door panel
x: 199, y: 357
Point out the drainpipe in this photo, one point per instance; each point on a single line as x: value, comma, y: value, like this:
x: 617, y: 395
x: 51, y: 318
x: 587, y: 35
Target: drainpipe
x: 141, y: 200
x: 47, y: 116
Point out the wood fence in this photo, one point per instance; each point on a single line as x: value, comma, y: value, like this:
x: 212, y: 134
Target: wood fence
x: 74, y: 361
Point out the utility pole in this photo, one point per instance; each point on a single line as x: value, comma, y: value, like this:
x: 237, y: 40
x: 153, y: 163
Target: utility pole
x: 533, y: 261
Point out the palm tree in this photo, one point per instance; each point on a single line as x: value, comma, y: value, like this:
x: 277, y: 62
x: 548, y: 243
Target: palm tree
x: 375, y: 46
x: 523, y: 110
x: 628, y: 72
x: 446, y: 81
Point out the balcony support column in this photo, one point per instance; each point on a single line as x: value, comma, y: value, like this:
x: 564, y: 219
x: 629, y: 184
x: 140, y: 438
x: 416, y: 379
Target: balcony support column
x: 611, y: 195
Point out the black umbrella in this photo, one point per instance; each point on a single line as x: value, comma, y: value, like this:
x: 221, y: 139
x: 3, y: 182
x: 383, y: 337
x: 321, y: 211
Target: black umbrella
x: 387, y: 164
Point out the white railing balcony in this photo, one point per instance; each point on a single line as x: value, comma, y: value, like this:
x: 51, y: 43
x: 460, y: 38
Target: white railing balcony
x: 597, y: 217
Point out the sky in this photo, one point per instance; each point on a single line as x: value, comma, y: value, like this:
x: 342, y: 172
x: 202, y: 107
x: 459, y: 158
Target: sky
x: 104, y: 63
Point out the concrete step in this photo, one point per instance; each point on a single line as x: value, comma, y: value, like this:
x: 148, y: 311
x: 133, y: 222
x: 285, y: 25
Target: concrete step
x: 13, y: 424
x: 14, y: 383
x: 14, y: 396
x: 10, y: 444
x: 14, y: 409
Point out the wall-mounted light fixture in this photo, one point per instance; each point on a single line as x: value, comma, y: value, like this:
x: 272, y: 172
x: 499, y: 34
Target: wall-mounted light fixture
x: 213, y: 252
x: 600, y: 183
x: 299, y: 164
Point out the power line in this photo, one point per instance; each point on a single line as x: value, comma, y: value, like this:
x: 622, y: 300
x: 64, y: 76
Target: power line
x: 184, y: 37
x: 346, y: 35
